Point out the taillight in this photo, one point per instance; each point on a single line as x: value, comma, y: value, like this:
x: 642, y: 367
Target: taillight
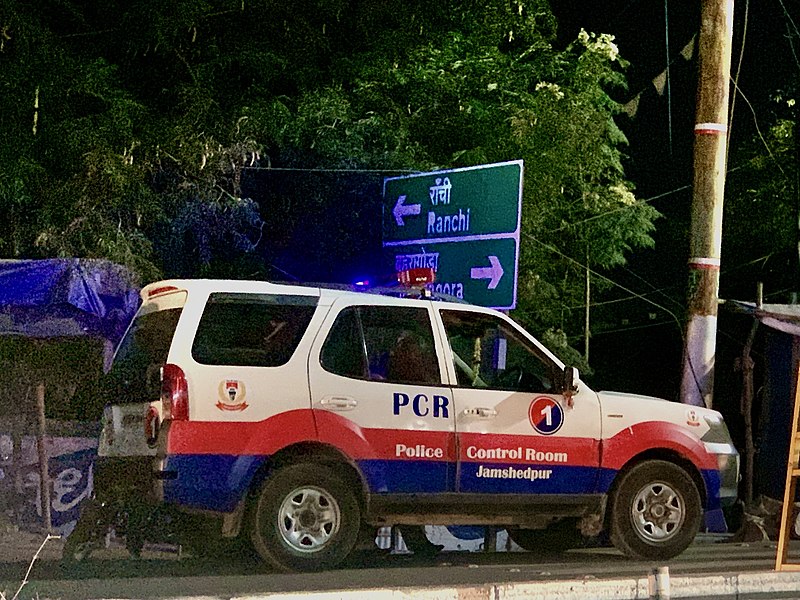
x: 165, y: 289
x: 174, y: 393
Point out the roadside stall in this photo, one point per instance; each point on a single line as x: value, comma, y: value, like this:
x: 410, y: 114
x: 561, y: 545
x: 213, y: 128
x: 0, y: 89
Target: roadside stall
x: 768, y: 365
x: 59, y: 320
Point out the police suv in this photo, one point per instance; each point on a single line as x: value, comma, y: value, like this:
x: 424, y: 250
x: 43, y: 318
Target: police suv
x: 301, y: 415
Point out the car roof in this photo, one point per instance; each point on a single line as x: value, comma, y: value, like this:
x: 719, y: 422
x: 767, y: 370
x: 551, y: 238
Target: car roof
x: 326, y: 290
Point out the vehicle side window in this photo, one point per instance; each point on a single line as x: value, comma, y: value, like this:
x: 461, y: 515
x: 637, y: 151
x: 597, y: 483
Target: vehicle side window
x: 343, y: 351
x: 382, y: 343
x: 251, y: 330
x: 489, y: 353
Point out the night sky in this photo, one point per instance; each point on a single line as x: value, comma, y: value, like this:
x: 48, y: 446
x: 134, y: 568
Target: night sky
x: 643, y: 352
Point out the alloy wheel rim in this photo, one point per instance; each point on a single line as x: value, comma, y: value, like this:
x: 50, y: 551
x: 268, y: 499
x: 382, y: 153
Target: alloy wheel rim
x: 658, y: 512
x: 308, y: 519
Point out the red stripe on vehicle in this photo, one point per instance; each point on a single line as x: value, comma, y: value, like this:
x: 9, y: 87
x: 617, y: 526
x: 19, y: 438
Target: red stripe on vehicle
x: 256, y: 438
x: 641, y: 437
x: 530, y: 449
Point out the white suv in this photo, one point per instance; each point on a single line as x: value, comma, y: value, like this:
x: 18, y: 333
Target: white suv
x: 302, y: 414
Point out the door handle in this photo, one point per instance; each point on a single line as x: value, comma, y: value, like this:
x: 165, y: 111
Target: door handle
x: 480, y: 412
x: 339, y: 402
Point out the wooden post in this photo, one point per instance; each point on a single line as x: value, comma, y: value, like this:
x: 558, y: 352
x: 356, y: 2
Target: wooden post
x: 44, y: 470
x: 587, y: 332
x: 711, y: 128
x: 747, y: 413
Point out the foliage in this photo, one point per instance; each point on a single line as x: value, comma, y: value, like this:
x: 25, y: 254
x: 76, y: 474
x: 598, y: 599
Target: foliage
x: 761, y: 210
x: 151, y: 114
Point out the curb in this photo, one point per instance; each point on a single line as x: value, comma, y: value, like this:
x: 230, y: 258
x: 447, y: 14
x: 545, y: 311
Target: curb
x: 716, y: 586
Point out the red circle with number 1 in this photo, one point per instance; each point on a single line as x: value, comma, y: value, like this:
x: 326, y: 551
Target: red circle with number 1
x: 546, y: 415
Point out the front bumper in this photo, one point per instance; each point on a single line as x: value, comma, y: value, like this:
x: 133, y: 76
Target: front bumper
x: 728, y: 467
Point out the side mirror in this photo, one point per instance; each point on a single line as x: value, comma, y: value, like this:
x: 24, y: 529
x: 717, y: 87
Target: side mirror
x: 570, y: 384
x: 570, y: 380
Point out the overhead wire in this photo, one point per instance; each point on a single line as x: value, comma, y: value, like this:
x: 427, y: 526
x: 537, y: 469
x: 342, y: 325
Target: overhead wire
x: 789, y: 17
x: 669, y: 89
x: 736, y: 78
x: 552, y: 248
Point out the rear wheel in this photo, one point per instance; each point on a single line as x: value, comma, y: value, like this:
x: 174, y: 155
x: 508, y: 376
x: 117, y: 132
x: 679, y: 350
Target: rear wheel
x: 306, y: 518
x: 655, y: 512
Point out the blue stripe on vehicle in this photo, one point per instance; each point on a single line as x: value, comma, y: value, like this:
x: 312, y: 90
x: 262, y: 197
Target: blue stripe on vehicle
x: 210, y: 481
x: 218, y: 482
x: 713, y: 483
x: 500, y: 478
x: 408, y: 476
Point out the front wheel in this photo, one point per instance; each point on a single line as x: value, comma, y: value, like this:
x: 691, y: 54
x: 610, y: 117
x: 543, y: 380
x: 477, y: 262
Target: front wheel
x: 306, y: 518
x: 655, y: 511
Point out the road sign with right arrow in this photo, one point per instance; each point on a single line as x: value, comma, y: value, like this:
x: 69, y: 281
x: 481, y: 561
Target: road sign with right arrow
x: 462, y: 222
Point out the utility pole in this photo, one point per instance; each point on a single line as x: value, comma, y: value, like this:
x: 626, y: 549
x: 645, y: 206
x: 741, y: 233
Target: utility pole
x: 711, y: 133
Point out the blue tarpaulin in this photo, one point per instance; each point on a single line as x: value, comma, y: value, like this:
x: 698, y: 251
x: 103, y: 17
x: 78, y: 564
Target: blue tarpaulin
x: 66, y: 297
x: 53, y: 299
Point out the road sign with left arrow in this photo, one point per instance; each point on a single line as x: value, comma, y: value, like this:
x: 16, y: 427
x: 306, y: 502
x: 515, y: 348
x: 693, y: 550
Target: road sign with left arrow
x: 462, y: 222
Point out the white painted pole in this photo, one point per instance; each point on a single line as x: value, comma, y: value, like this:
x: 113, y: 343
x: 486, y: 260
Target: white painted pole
x: 658, y: 584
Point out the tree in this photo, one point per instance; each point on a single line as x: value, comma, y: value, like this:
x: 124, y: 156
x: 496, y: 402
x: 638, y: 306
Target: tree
x: 466, y: 93
x: 760, y: 236
x: 150, y: 115
x: 103, y: 171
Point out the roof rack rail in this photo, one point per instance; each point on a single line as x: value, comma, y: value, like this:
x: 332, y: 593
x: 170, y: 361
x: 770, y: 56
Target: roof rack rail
x: 396, y: 290
x: 404, y: 292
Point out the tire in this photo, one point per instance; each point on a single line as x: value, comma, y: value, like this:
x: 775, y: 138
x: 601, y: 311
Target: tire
x: 655, y: 511
x: 305, y: 518
x: 558, y: 537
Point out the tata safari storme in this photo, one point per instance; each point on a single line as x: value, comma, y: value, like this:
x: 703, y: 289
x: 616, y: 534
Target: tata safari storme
x: 300, y: 415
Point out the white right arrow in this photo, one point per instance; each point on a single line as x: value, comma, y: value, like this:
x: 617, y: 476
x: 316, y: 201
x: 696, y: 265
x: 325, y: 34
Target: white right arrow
x: 493, y: 273
x: 403, y: 210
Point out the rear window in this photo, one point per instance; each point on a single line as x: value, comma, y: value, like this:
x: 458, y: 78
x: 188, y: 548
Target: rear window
x: 135, y: 375
x: 382, y: 343
x: 251, y: 330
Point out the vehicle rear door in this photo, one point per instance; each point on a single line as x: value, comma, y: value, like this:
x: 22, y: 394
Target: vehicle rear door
x: 133, y: 381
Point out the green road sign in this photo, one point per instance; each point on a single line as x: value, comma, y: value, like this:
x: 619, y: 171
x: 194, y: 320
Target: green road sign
x: 467, y: 202
x: 462, y: 222
x: 482, y: 272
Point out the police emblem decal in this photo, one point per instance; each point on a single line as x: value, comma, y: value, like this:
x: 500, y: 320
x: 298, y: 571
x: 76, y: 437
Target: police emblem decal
x: 231, y: 394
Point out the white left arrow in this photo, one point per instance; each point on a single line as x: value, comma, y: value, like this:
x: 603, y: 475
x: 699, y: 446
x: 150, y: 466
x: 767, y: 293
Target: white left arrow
x: 401, y: 209
x: 494, y: 272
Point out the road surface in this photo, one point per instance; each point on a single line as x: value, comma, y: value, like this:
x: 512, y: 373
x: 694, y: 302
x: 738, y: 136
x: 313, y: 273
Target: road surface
x: 111, y: 574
